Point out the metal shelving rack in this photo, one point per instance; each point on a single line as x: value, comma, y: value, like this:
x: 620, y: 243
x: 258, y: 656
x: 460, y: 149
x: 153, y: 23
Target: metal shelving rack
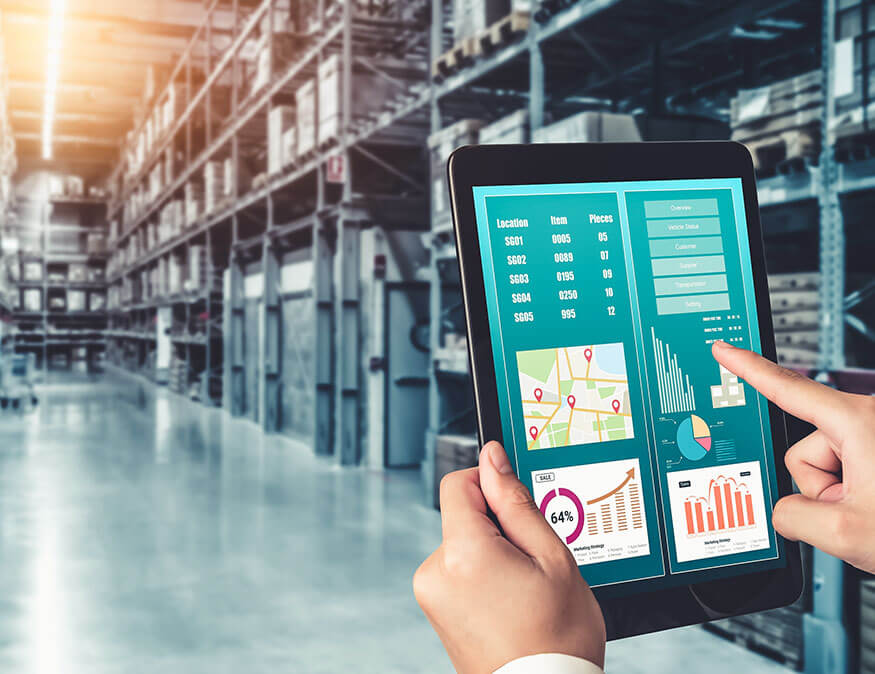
x: 569, y: 60
x: 531, y: 61
x: 49, y: 330
x: 307, y: 206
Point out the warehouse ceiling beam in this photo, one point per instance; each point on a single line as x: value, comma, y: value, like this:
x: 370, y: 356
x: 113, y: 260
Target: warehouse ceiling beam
x: 183, y: 23
x: 103, y: 90
x: 67, y: 139
x: 66, y: 116
x: 389, y: 168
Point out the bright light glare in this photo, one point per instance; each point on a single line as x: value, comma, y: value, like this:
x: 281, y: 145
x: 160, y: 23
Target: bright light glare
x: 53, y: 57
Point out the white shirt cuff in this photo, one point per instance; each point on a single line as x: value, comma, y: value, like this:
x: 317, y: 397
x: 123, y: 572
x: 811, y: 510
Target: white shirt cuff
x: 549, y: 663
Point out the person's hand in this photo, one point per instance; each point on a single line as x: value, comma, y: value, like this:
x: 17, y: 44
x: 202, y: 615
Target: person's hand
x: 492, y: 598
x: 834, y: 467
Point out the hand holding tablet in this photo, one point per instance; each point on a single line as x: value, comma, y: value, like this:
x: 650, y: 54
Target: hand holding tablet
x: 596, y: 278
x: 829, y: 513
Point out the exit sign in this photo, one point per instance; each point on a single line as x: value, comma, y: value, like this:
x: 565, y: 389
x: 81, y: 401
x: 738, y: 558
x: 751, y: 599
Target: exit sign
x: 335, y: 169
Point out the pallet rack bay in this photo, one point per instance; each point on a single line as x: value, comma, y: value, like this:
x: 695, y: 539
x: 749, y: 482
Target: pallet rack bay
x: 277, y: 158
x: 56, y: 281
x: 565, y: 58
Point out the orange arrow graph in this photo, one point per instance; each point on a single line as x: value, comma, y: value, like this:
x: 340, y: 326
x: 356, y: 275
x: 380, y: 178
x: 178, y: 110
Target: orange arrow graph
x: 630, y: 474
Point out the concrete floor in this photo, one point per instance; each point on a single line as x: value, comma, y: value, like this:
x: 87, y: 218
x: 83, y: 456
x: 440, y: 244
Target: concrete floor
x: 143, y: 533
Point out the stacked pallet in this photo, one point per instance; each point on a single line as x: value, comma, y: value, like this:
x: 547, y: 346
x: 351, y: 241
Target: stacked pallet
x: 480, y: 27
x: 780, y: 123
x: 867, y: 627
x: 177, y: 376
x: 453, y: 452
x: 795, y: 300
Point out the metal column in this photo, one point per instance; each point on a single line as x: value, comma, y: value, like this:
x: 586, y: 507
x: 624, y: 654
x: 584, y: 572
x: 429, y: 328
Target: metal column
x: 436, y: 289
x: 238, y: 372
x: 537, y: 83
x: 271, y: 336
x: 347, y: 346
x: 323, y: 363
x: 826, y: 643
x: 832, y: 232
x: 347, y: 302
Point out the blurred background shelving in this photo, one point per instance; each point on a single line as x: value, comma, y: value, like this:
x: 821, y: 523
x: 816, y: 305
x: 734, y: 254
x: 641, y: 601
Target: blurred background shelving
x: 246, y: 202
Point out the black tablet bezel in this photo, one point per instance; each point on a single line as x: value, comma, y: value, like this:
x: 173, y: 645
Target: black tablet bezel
x: 488, y: 165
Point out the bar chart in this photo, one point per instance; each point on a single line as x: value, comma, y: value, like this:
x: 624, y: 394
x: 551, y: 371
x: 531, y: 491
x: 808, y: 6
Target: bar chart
x: 729, y: 505
x: 675, y: 390
x: 718, y: 510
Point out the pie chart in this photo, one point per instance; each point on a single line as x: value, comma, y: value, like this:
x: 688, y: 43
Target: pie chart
x: 694, y: 438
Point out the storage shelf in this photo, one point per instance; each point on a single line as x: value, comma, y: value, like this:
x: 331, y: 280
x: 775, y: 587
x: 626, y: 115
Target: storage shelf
x: 275, y: 183
x: 243, y: 117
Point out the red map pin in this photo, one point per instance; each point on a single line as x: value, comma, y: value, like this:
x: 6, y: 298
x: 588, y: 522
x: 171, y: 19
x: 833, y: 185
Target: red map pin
x: 538, y: 394
x: 616, y: 405
x: 587, y: 353
x: 571, y: 401
x: 533, y: 431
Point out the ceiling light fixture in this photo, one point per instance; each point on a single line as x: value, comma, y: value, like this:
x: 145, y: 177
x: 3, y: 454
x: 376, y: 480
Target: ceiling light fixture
x: 53, y: 58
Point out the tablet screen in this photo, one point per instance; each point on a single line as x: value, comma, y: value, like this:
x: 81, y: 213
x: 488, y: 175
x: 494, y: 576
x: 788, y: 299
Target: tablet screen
x: 647, y: 458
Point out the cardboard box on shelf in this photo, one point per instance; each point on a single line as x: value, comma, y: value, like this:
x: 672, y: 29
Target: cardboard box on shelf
x: 369, y: 94
x: 58, y: 301
x: 32, y: 271
x: 77, y: 272
x: 32, y: 299
x: 96, y: 301
x: 290, y: 146
x: 512, y: 129
x: 305, y: 107
x: 75, y: 300
x: 193, y: 202
x: 280, y: 119
x: 589, y: 126
x: 197, y: 265
x: 214, y: 182
x: 95, y: 275
x: 470, y: 17
x: 96, y: 243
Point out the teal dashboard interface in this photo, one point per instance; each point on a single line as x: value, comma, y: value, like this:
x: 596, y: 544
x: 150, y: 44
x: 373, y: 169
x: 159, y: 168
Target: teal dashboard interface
x: 646, y: 457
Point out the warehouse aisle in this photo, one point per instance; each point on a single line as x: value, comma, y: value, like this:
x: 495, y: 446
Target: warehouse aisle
x: 144, y: 533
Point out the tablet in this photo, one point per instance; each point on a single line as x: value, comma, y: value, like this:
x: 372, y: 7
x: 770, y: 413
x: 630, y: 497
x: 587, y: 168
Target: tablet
x: 595, y: 279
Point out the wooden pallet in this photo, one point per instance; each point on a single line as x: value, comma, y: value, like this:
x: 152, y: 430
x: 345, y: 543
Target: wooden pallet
x: 462, y: 54
x: 786, y: 152
x: 503, y: 31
